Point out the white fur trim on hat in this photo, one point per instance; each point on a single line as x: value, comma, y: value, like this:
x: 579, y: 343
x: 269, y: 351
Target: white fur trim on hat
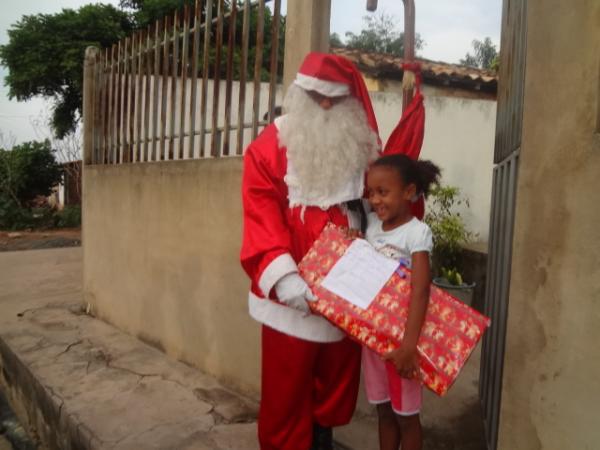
x: 327, y: 88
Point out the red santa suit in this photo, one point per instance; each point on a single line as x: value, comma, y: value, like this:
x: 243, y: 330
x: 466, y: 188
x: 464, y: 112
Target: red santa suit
x: 310, y: 370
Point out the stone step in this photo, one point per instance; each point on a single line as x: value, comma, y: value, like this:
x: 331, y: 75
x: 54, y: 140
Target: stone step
x: 82, y: 384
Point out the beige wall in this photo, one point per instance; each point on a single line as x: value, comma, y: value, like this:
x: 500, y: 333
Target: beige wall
x: 551, y: 386
x: 161, y: 240
x: 161, y: 244
x: 459, y: 133
x: 459, y: 137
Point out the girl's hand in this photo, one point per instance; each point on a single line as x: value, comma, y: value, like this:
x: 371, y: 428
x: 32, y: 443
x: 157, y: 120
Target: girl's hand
x: 353, y: 234
x: 406, y: 358
x: 406, y: 361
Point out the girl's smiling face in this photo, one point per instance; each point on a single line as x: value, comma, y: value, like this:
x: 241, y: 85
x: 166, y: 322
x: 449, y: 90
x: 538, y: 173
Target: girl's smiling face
x: 389, y: 197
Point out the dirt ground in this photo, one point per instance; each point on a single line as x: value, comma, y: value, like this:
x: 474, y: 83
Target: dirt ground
x: 11, y: 241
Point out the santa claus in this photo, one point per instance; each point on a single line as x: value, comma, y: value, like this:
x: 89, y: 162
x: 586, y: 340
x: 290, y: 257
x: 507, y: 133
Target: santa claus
x: 305, y: 170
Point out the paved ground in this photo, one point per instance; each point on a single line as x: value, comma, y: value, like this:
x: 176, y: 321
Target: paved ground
x: 95, y: 385
x: 99, y: 387
x: 450, y: 423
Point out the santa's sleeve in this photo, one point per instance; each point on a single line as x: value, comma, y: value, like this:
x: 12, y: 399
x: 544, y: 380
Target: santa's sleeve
x: 265, y: 254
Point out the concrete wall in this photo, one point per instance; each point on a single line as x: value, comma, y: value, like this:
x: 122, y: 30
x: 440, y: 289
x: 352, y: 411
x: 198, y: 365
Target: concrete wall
x: 459, y: 137
x: 161, y: 245
x: 161, y: 240
x: 459, y: 133
x: 551, y: 386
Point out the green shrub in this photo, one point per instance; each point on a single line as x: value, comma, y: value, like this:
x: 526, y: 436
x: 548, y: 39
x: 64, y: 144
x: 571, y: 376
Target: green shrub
x: 28, y: 171
x: 69, y: 217
x: 449, y: 231
x: 13, y: 217
x: 453, y: 276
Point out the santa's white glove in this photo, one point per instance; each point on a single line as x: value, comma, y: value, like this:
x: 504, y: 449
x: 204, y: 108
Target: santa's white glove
x: 293, y: 291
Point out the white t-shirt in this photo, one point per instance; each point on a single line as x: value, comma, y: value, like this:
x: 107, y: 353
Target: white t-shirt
x: 401, y: 242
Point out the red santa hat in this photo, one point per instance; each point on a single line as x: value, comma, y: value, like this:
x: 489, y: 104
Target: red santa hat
x: 335, y: 76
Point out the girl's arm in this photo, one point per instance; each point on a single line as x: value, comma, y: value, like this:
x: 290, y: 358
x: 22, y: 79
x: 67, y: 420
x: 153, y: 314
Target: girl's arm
x: 406, y: 358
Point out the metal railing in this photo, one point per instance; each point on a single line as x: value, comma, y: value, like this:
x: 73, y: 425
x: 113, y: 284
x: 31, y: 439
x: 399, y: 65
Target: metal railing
x: 182, y: 89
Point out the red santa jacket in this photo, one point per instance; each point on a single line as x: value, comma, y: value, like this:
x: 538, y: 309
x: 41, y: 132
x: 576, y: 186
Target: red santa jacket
x: 276, y: 237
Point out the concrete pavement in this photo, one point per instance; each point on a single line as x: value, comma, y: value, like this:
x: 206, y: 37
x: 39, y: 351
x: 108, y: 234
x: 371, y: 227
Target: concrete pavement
x: 78, y: 382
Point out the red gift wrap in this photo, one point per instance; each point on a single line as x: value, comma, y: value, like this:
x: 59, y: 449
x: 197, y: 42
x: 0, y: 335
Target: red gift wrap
x: 451, y: 330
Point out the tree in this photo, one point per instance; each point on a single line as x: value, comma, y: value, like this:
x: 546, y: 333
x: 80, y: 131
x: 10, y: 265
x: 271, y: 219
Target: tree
x: 66, y: 150
x: 335, y: 40
x: 44, y: 56
x: 27, y: 171
x: 146, y: 12
x: 485, y: 55
x: 380, y: 35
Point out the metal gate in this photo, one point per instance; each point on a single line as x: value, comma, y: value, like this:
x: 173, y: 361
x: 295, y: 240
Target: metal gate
x: 506, y: 159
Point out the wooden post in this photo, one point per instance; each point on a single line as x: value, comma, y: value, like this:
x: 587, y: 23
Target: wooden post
x: 89, y: 89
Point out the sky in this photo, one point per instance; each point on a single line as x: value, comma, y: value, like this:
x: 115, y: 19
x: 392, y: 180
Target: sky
x: 447, y: 26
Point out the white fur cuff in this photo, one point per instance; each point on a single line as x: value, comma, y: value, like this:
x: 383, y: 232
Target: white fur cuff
x: 278, y: 268
x: 293, y: 322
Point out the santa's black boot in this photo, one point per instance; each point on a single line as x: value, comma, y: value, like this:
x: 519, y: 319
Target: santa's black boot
x: 322, y: 438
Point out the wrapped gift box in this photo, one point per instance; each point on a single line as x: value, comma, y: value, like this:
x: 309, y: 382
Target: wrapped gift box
x: 450, y: 333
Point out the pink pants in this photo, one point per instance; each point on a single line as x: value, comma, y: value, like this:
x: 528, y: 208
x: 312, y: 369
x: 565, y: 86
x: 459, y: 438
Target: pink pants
x: 383, y: 384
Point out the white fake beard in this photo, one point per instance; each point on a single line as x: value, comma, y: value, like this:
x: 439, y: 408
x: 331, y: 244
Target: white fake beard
x: 327, y: 148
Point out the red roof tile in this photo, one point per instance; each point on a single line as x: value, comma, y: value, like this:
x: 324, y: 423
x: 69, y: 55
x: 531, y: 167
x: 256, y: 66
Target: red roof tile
x: 381, y: 65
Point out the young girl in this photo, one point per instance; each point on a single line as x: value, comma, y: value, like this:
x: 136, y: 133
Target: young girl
x: 394, y: 182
